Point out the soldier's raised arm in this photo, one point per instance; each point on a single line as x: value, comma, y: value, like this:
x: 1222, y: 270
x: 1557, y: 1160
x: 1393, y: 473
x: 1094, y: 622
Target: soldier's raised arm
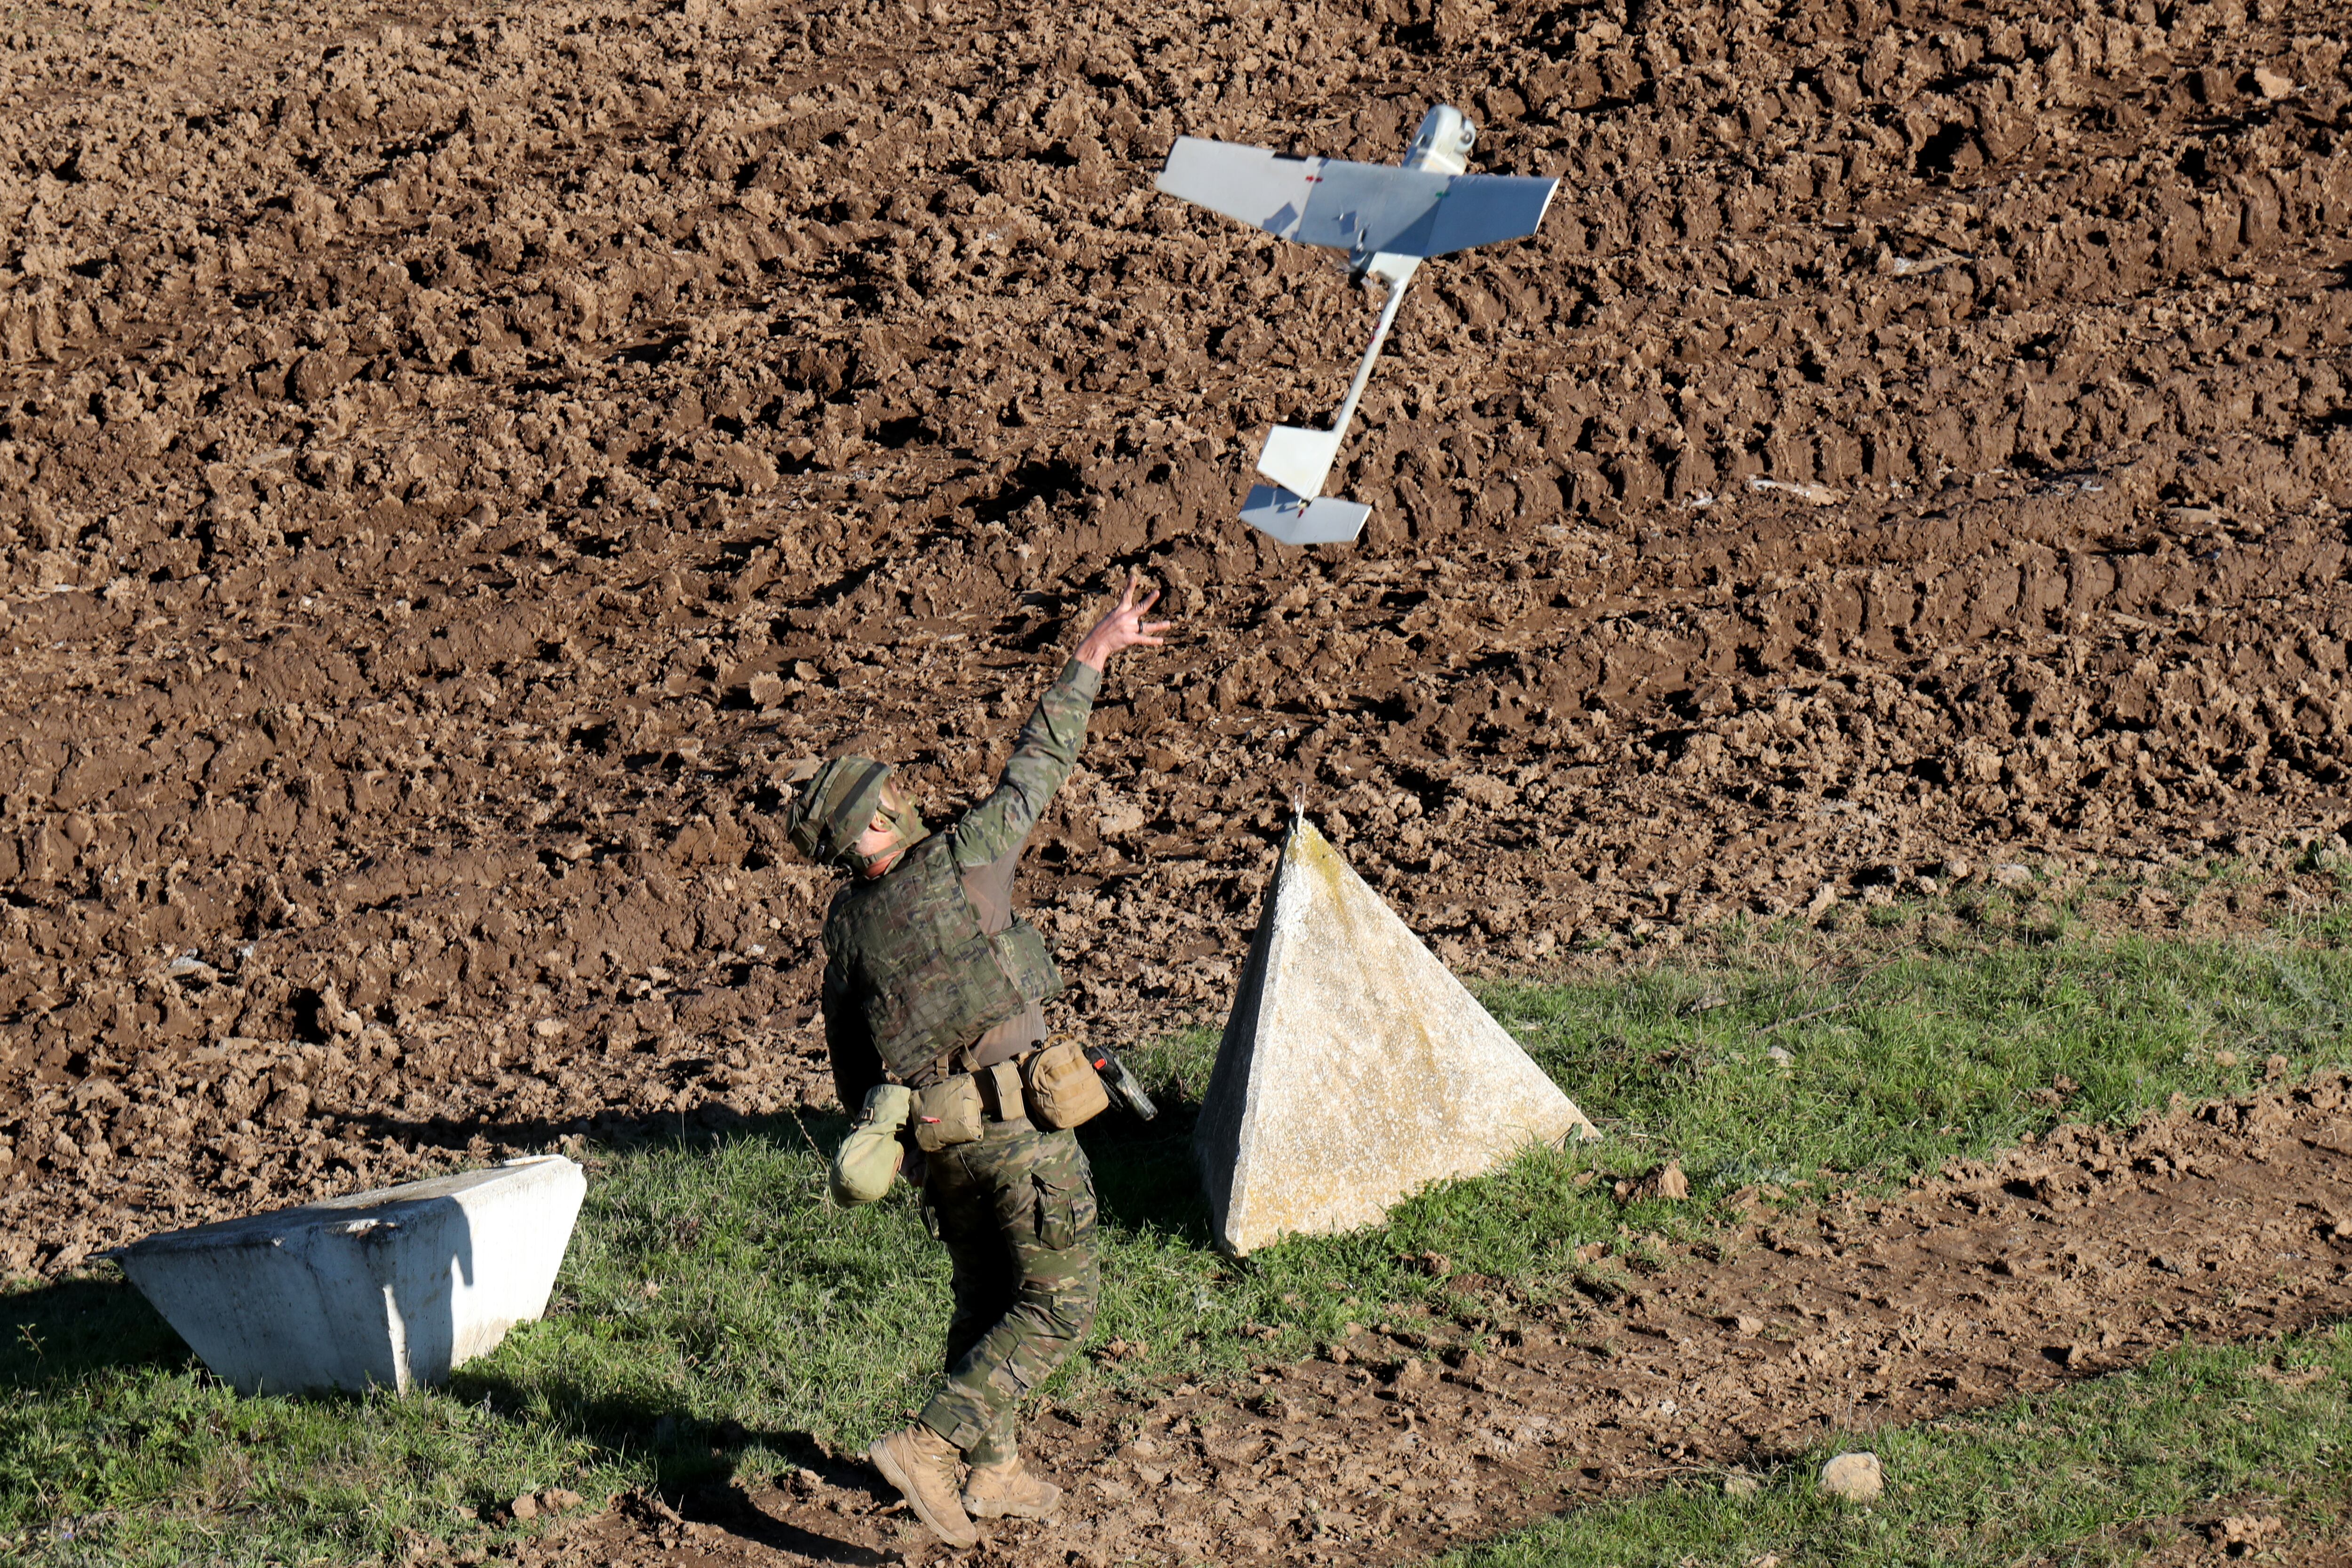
x: 1047, y: 747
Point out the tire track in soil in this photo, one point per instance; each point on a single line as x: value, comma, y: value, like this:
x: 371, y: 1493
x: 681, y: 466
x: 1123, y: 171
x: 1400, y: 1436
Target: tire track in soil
x: 449, y: 467
x: 2082, y: 1255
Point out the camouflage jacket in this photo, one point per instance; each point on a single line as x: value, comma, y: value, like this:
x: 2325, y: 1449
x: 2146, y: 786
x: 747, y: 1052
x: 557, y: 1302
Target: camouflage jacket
x: 981, y: 851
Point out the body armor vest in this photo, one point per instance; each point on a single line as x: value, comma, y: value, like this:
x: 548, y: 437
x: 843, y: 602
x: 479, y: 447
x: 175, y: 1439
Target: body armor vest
x: 917, y: 963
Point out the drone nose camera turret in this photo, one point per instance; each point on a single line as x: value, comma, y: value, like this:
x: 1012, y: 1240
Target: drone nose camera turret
x: 1443, y: 141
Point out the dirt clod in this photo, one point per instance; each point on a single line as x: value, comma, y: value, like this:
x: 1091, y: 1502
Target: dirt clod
x: 2241, y: 1535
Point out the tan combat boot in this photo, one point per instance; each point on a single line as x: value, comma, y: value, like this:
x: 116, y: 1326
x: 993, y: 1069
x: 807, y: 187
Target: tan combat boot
x: 1009, y: 1491
x: 922, y: 1464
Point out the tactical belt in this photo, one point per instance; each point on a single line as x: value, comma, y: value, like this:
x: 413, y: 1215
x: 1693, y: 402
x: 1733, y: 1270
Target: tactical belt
x: 1053, y: 1086
x: 999, y: 1083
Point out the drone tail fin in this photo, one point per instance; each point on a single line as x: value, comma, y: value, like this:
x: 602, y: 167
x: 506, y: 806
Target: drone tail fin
x: 1298, y: 459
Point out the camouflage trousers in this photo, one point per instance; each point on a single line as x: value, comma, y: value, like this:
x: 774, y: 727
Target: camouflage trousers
x: 1016, y: 1212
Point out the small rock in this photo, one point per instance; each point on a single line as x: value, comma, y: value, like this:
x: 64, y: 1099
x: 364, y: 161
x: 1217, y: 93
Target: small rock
x: 1957, y: 869
x: 2010, y: 875
x: 1743, y: 1325
x: 1781, y: 1055
x: 1856, y: 1478
x: 524, y: 1507
x: 1738, y: 1485
x: 2271, y: 84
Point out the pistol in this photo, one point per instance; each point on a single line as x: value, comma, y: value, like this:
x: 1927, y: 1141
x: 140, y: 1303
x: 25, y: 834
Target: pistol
x: 1124, y: 1086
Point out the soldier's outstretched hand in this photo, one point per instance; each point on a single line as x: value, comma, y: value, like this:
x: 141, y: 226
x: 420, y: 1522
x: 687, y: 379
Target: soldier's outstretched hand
x: 1124, y: 627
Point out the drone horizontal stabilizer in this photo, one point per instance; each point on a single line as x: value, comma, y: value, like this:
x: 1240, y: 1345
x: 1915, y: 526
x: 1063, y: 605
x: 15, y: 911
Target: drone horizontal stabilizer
x: 1296, y: 520
x: 1364, y: 209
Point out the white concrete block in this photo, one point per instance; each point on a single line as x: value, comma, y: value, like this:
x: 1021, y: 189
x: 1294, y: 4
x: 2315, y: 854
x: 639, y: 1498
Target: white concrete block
x: 1355, y: 1069
x: 392, y: 1288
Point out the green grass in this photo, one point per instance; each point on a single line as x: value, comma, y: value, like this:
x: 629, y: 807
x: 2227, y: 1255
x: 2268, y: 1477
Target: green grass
x: 716, y: 1315
x: 2061, y: 1478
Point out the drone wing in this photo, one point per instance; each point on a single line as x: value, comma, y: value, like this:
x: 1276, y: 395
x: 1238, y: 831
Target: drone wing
x: 1364, y: 209
x: 1477, y: 209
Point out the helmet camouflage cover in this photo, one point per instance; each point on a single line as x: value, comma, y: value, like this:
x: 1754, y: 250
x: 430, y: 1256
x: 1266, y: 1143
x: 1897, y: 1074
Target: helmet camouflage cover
x: 825, y: 819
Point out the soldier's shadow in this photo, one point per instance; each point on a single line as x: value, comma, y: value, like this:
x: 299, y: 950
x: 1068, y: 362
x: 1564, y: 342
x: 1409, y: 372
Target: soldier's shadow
x: 1144, y: 1175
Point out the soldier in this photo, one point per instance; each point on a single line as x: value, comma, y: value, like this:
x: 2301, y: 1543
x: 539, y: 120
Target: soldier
x: 931, y: 981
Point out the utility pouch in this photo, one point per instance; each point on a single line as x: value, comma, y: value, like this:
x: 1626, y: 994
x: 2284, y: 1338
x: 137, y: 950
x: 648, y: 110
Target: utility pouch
x: 947, y: 1113
x: 868, y: 1161
x: 1001, y: 1092
x: 1063, y: 1088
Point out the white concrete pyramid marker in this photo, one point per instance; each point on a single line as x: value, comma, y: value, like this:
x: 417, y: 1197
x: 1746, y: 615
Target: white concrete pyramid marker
x: 1355, y: 1068
x: 389, y: 1288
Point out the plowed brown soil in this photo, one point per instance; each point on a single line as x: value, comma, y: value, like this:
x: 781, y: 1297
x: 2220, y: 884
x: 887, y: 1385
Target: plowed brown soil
x: 451, y: 465
x: 452, y: 462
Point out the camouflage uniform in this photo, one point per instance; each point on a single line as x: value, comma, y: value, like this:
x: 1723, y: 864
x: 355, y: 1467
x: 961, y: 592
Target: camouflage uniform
x: 1015, y: 1210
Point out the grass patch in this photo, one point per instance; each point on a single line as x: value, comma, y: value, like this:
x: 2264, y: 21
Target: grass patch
x: 114, y: 1447
x: 716, y: 1315
x: 2061, y: 1477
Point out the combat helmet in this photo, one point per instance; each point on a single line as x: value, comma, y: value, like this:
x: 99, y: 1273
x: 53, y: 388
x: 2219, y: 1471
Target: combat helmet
x: 830, y: 813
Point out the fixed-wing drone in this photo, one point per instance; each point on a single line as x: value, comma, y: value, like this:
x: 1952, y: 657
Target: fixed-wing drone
x: 1388, y: 219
